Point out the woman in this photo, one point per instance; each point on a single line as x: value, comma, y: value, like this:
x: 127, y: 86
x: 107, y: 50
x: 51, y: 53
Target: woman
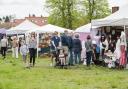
x: 88, y: 46
x: 32, y: 49
x: 4, y: 44
x: 117, y: 51
x: 103, y: 45
x: 77, y: 48
x: 15, y: 47
x: 123, y: 50
x: 96, y: 53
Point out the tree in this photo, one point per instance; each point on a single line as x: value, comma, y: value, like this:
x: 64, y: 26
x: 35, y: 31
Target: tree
x: 0, y: 19
x: 62, y: 12
x: 74, y: 13
x: 7, y: 19
x: 96, y: 9
x: 33, y: 15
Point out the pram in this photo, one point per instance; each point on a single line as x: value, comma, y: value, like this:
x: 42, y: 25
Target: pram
x: 59, y: 58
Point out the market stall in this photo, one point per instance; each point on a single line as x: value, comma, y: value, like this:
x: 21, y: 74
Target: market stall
x: 43, y: 36
x: 114, y: 25
x: 87, y: 30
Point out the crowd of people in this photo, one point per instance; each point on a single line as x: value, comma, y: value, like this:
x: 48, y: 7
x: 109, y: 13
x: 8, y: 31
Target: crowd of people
x: 21, y: 46
x: 66, y: 49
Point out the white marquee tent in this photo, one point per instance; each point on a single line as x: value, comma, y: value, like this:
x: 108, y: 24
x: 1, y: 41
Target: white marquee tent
x: 49, y: 29
x: 22, y: 28
x: 119, y: 18
x: 86, y: 28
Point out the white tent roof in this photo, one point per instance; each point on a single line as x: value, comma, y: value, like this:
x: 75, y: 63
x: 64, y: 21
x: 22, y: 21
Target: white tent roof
x: 22, y: 28
x: 86, y: 28
x: 118, y: 18
x: 49, y: 29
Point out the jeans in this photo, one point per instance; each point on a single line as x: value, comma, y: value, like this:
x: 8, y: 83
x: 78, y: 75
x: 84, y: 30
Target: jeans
x: 77, y: 58
x: 32, y: 52
x: 88, y: 57
x: 3, y: 51
x: 70, y: 62
x: 15, y: 52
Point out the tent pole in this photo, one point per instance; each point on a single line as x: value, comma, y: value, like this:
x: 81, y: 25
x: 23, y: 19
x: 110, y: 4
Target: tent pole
x: 37, y: 44
x: 124, y: 28
x: 91, y: 29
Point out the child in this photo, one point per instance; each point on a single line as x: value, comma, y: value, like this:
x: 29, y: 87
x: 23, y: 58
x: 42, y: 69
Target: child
x: 24, y: 51
x: 62, y: 57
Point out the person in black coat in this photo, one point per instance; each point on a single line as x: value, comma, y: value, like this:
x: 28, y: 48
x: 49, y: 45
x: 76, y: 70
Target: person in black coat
x: 65, y: 44
x: 70, y: 47
x: 77, y: 48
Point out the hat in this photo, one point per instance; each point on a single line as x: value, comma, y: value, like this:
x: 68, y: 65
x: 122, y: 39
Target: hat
x: 93, y: 42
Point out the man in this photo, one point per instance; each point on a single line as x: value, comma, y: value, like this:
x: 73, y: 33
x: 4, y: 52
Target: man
x: 4, y: 43
x: 55, y: 41
x: 65, y: 44
x: 70, y: 47
x: 77, y: 48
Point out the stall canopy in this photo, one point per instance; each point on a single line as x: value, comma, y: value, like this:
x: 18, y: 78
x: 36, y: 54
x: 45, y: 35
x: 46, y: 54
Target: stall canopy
x: 119, y: 18
x: 22, y: 28
x: 3, y: 31
x: 49, y: 29
x: 86, y: 28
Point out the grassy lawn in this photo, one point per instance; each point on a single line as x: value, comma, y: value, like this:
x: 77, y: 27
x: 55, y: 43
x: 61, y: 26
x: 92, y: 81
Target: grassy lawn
x: 14, y: 76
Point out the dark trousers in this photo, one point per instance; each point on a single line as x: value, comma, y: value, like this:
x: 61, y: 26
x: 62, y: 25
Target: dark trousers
x: 103, y: 50
x: 70, y: 57
x: 88, y: 57
x: 77, y: 57
x: 3, y: 51
x: 95, y: 58
x: 32, y: 52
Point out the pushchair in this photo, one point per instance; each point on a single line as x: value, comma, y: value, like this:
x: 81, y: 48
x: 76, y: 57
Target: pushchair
x: 60, y: 58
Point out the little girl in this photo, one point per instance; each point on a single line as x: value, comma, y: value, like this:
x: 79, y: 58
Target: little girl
x: 62, y: 57
x: 23, y: 52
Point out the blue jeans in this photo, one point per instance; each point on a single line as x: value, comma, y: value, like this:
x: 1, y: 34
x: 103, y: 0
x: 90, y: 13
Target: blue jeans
x: 88, y: 57
x: 77, y: 58
x: 70, y: 62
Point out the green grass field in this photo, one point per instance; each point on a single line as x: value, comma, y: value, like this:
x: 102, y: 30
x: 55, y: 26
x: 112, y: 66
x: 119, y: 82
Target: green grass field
x: 14, y: 76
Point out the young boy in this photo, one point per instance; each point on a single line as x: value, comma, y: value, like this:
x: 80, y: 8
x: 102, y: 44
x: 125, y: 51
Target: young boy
x: 24, y: 51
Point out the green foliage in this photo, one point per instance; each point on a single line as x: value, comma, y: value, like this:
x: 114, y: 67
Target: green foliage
x: 96, y: 9
x: 7, y: 19
x: 62, y: 12
x: 74, y: 13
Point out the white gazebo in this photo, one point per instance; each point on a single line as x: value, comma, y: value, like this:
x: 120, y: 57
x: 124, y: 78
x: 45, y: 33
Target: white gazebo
x: 86, y: 28
x: 119, y: 18
x: 49, y: 28
x: 22, y: 28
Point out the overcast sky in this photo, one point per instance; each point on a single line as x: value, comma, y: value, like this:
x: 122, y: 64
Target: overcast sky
x: 22, y: 8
